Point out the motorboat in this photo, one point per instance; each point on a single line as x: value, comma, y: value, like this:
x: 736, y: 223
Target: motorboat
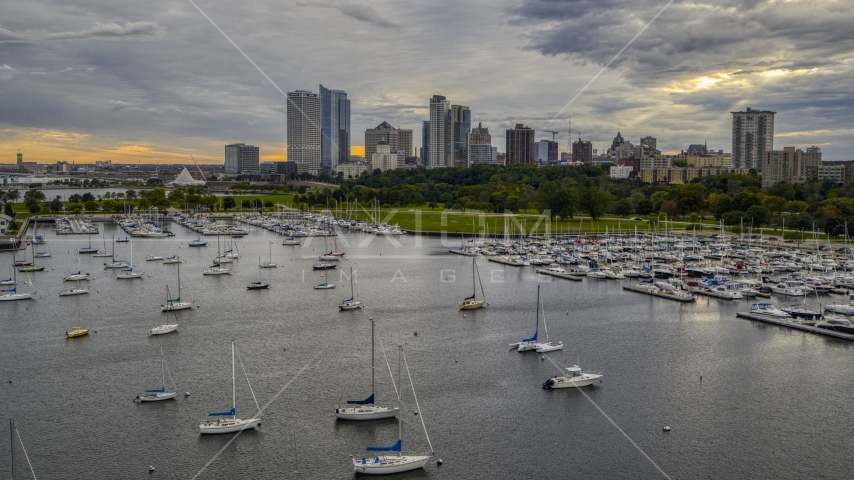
x: 845, y: 309
x: 835, y: 324
x: 573, y: 378
x: 799, y: 311
x: 768, y: 310
x: 77, y: 331
x: 789, y: 288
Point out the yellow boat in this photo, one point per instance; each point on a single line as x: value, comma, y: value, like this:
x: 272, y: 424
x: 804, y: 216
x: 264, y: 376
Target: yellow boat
x: 77, y: 332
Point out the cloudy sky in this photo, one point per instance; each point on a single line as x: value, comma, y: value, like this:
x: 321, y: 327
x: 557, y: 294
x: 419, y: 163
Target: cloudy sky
x: 156, y: 82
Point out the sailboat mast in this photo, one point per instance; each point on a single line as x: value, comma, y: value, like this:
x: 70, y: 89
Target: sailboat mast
x: 473, y: 285
x: 399, y: 395
x: 537, y: 327
x: 233, y: 392
x: 12, y: 444
x: 179, y: 280
x: 372, y: 358
x: 162, y: 372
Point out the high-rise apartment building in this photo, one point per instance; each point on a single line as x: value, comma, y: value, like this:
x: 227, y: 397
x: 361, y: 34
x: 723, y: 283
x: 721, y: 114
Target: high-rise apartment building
x: 440, y: 133
x: 480, y: 148
x: 460, y: 126
x: 582, y: 151
x: 649, y: 141
x: 241, y: 158
x: 546, y: 152
x: 790, y: 165
x: 335, y: 128
x: 520, y: 145
x: 304, y: 130
x: 404, y: 142
x: 752, y: 135
x: 425, y: 143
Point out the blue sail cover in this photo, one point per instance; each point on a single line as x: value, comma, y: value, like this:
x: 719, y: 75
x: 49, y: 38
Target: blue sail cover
x: 349, y: 299
x: 159, y: 390
x: 392, y: 448
x: 532, y: 339
x: 367, y: 401
x: 12, y: 290
x: 127, y: 269
x: 222, y: 414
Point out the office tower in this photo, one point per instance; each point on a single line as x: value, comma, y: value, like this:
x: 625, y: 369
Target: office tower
x: 399, y: 141
x: 440, y: 132
x: 383, y: 158
x: 752, y: 135
x: 582, y: 151
x: 460, y: 126
x: 617, y: 141
x: 241, y: 158
x: 480, y: 147
x: 304, y: 146
x: 546, y: 152
x: 404, y: 142
x: 520, y: 145
x: 650, y: 142
x: 425, y: 143
x: 335, y: 128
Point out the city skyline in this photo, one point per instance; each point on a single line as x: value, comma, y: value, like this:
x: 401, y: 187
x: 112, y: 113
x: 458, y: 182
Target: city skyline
x: 130, y: 84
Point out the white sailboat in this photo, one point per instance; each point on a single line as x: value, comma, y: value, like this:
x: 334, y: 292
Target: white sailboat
x: 11, y: 294
x: 173, y: 304
x: 105, y: 254
x: 290, y: 241
x: 365, y: 409
x: 128, y: 273
x: 532, y: 343
x: 216, y: 269
x: 471, y: 303
x: 224, y: 424
x: 388, y: 464
x: 167, y: 327
x: 76, y: 277
x: 350, y: 303
x: 171, y: 260
x: 270, y: 263
x: 158, y: 394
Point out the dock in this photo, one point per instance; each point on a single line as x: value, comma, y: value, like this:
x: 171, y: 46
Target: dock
x: 794, y: 325
x: 659, y: 293
x: 564, y: 276
x: 517, y: 262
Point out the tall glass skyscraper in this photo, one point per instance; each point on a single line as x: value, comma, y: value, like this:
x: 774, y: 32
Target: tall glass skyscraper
x: 425, y: 143
x: 335, y: 126
x: 461, y: 125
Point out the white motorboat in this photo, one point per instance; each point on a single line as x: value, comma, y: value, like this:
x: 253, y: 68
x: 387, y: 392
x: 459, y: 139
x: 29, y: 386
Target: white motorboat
x: 573, y: 378
x: 788, y: 288
x: 158, y: 394
x: 845, y: 309
x: 366, y: 409
x: 233, y: 424
x: 388, y: 464
x: 769, y: 310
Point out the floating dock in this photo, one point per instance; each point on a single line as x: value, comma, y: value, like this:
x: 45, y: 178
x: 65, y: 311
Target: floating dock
x: 659, y: 293
x: 504, y: 261
x: 564, y: 276
x: 790, y: 323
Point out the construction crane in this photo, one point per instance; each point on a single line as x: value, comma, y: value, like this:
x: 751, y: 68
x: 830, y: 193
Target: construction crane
x: 553, y: 133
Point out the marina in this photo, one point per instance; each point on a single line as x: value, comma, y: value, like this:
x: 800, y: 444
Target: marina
x: 298, y: 337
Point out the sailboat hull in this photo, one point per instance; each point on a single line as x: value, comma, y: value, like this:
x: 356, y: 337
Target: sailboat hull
x: 11, y: 297
x: 156, y: 397
x: 388, y: 464
x: 227, y: 425
x: 173, y: 306
x: 74, y: 291
x: 163, y: 329
x: 471, y: 304
x: 365, y: 412
x: 350, y: 305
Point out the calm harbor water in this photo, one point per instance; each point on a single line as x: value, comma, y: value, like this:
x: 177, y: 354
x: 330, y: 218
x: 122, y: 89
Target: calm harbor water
x: 772, y: 403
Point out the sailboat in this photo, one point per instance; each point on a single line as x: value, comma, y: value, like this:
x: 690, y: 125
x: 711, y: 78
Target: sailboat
x: 532, y: 343
x: 77, y: 331
x: 269, y: 264
x: 290, y: 241
x: 365, y: 409
x: 333, y: 255
x: 171, y: 260
x: 173, y: 304
x: 387, y: 464
x: 198, y: 243
x: 39, y: 240
x: 154, y: 257
x: 233, y: 424
x: 350, y: 303
x: 32, y: 265
x: 13, y: 280
x: 89, y: 249
x: 105, y: 254
x: 128, y: 273
x: 168, y: 327
x: 471, y: 303
x: 116, y: 263
x: 76, y: 277
x: 158, y: 394
x: 216, y: 269
x: 12, y: 294
x: 257, y: 286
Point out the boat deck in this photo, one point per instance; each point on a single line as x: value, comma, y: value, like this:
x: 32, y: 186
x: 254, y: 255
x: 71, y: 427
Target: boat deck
x: 794, y: 325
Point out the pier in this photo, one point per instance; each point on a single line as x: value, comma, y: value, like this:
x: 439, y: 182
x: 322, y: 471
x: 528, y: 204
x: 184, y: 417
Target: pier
x: 515, y: 262
x: 659, y: 293
x: 565, y: 276
x: 792, y: 324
